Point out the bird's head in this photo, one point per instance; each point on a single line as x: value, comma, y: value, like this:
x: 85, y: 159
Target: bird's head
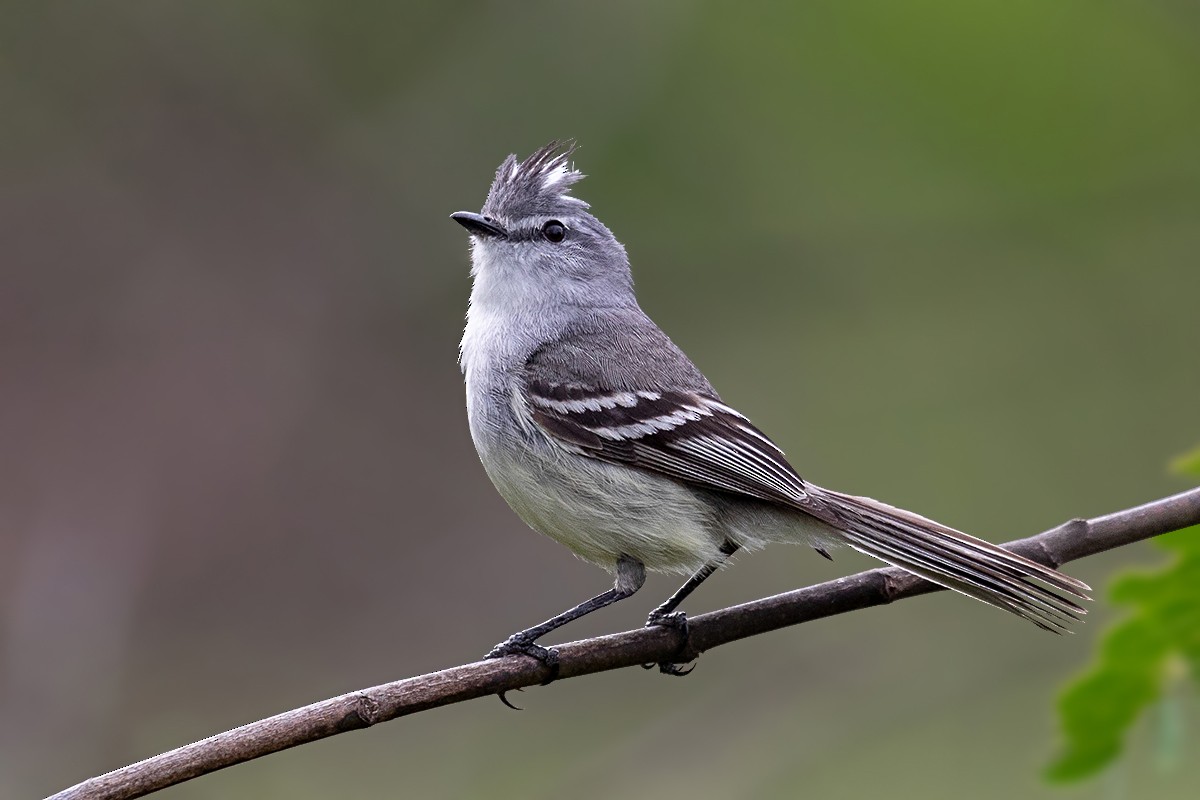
x: 533, y: 236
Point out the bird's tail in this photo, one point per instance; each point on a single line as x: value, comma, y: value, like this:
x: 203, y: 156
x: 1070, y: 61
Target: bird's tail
x: 957, y: 561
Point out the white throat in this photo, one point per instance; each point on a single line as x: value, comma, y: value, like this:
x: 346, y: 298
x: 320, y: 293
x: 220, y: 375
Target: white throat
x: 513, y: 304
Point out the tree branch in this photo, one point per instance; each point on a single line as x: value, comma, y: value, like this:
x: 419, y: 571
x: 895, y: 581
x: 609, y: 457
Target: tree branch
x: 1069, y: 541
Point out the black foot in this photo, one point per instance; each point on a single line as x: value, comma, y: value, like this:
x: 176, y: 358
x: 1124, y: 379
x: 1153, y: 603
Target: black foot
x: 517, y: 645
x: 676, y: 621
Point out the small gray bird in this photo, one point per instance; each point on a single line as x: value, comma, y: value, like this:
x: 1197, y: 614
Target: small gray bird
x: 601, y: 434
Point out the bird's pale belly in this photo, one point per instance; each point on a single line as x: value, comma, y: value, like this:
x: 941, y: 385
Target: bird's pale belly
x: 603, y: 512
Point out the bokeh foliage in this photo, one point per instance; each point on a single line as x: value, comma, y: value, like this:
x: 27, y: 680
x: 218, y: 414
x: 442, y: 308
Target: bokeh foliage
x: 1187, y: 463
x: 1141, y: 660
x: 1138, y: 660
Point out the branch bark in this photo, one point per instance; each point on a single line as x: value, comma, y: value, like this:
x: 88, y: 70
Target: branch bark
x: 1072, y: 540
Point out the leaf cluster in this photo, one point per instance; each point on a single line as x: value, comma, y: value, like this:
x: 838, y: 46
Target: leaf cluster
x: 1140, y: 659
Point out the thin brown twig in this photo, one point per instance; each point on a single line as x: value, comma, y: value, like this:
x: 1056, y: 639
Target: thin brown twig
x: 1067, y: 542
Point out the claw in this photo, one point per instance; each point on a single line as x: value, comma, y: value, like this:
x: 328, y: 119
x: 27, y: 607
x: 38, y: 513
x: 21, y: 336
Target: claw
x: 678, y: 621
x: 504, y: 700
x: 672, y: 669
x: 676, y: 670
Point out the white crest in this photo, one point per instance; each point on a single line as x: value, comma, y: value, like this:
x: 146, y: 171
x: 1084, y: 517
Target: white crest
x: 555, y: 175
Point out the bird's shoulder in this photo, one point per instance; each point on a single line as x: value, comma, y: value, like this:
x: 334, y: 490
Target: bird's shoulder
x: 619, y: 350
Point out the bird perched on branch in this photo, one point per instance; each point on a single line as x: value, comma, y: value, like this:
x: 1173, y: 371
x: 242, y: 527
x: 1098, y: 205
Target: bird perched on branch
x: 601, y: 434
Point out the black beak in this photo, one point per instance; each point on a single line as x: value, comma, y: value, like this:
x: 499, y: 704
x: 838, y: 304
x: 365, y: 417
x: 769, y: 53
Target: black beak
x: 479, y: 225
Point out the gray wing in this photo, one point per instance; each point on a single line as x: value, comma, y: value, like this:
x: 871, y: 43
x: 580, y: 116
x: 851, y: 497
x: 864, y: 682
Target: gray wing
x: 634, y: 398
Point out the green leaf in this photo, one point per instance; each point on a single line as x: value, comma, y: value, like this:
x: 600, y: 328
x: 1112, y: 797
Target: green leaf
x: 1139, y: 659
x: 1188, y: 463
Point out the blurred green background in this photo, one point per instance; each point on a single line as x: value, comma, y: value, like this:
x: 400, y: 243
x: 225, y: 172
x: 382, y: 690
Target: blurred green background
x: 945, y: 253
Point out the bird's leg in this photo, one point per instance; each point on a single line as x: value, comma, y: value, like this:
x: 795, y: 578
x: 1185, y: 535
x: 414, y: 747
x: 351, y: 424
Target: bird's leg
x: 663, y: 615
x: 631, y: 574
x: 666, y: 616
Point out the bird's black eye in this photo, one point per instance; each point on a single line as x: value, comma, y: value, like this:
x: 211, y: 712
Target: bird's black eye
x: 554, y: 230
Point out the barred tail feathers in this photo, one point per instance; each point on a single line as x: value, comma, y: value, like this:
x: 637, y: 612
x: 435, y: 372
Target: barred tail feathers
x: 957, y: 561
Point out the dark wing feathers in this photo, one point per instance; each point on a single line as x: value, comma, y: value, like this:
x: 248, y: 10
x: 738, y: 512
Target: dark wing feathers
x: 690, y: 436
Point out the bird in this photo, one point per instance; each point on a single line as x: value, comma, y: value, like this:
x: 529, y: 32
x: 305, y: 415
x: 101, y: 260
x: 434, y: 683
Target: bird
x: 601, y: 434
